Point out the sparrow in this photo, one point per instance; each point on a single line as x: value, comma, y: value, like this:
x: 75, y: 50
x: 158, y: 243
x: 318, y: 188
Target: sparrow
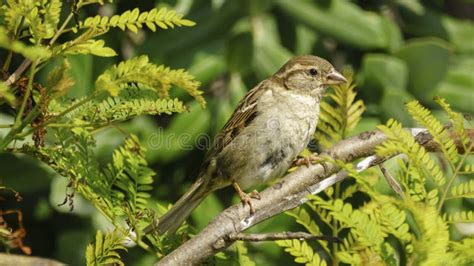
x: 271, y: 125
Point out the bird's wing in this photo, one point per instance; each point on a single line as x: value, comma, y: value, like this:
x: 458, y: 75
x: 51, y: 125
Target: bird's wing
x: 242, y: 116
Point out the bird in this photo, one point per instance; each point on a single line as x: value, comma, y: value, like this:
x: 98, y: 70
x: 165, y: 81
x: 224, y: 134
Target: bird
x: 269, y: 128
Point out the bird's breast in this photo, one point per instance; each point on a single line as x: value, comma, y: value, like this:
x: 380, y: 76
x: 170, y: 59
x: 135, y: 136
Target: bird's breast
x: 266, y: 148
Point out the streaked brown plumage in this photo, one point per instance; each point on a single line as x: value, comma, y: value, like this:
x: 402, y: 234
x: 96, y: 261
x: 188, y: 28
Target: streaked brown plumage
x: 271, y: 125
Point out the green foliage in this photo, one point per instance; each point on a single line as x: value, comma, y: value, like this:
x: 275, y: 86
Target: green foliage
x: 459, y: 217
x: 457, y: 120
x: 106, y: 249
x: 463, y: 190
x: 59, y: 81
x: 140, y: 70
x: 134, y: 19
x: 64, y: 130
x: 119, y: 190
x: 421, y: 166
x: 462, y: 251
x: 130, y: 102
x: 303, y: 253
x: 94, y: 47
x: 431, y: 246
x: 28, y: 51
x: 424, y: 117
x: 6, y: 94
x: 337, y: 120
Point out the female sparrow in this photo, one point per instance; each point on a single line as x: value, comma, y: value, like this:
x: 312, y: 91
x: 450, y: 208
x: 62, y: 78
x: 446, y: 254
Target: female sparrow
x: 272, y: 124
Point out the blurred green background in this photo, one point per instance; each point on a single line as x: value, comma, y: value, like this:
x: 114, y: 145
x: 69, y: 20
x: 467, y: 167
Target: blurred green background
x: 399, y: 50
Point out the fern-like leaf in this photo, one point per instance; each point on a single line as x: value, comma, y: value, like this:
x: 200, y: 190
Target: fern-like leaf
x: 457, y: 119
x: 303, y: 217
x: 303, y: 253
x: 432, y: 244
x: 140, y: 70
x: 134, y: 20
x: 424, y: 117
x: 463, y: 190
x: 462, y: 251
x: 132, y: 101
x: 337, y: 120
x: 31, y: 52
x: 86, y: 44
x: 400, y: 141
x: 94, y: 47
x: 459, y: 217
x: 393, y: 221
x: 105, y: 249
x: 468, y: 169
x: 242, y: 257
x: 32, y: 14
x: 52, y: 14
x: 131, y: 176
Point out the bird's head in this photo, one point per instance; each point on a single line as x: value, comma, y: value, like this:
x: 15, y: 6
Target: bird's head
x: 309, y: 74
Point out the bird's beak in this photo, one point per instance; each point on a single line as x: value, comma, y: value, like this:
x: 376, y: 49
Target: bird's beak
x: 335, y: 77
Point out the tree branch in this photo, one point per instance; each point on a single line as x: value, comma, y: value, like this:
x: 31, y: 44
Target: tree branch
x: 290, y: 192
x: 11, y: 259
x: 278, y: 236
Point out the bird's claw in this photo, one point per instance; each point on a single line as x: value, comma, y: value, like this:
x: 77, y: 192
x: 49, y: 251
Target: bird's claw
x: 247, y: 200
x: 255, y: 195
x: 308, y: 160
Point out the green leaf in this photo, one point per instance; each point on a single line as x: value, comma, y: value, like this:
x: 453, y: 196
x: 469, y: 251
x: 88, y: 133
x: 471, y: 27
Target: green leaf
x: 393, y: 34
x: 207, y: 67
x: 52, y: 14
x: 105, y: 249
x: 303, y: 253
x: 460, y: 34
x: 59, y: 80
x: 181, y: 135
x: 31, y: 52
x: 140, y: 70
x: 382, y: 70
x: 240, y: 52
x: 81, y: 71
x: 133, y: 20
x: 392, y: 99
x: 462, y: 251
x: 306, y: 38
x: 457, y: 87
x: 427, y: 61
x: 95, y: 47
x: 6, y: 94
x: 463, y: 190
x: 342, y: 20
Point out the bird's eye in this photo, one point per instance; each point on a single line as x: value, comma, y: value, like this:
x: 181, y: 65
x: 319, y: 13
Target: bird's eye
x: 313, y: 71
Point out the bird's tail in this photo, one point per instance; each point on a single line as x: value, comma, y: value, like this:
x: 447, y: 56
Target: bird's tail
x: 181, y: 210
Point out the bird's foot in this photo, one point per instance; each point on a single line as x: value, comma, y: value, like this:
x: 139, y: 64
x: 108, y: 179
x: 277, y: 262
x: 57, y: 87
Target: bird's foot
x: 245, y: 198
x: 308, y: 160
x: 255, y: 195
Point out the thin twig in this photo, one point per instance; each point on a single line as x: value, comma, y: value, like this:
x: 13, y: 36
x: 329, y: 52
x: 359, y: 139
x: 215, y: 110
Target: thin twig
x: 13, y: 77
x: 15, y: 37
x: 19, y: 116
x: 392, y: 182
x: 279, y: 236
x: 453, y: 177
